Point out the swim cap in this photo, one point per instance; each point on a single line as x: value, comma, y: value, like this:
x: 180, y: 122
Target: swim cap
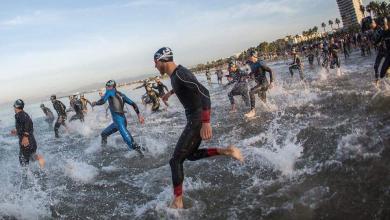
x: 111, y: 83
x: 164, y: 54
x: 19, y: 104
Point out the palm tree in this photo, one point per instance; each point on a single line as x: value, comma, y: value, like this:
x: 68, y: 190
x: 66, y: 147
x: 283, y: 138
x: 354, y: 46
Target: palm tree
x: 330, y: 22
x: 323, y: 25
x: 338, y: 23
x: 315, y: 31
x: 384, y: 9
x: 309, y: 32
x: 297, y: 37
x: 374, y: 8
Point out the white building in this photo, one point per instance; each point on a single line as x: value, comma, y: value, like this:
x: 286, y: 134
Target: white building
x: 350, y: 12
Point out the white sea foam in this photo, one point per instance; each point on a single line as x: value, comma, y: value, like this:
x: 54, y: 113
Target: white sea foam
x: 80, y: 172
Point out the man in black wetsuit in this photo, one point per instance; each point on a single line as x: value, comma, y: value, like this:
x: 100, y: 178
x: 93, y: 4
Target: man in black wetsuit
x: 258, y: 70
x: 153, y: 97
x: 25, y: 131
x: 378, y: 43
x: 78, y: 109
x: 161, y: 89
x: 71, y: 103
x: 61, y: 112
x: 84, y: 101
x: 310, y: 56
x: 208, y: 76
x: 49, y: 115
x: 296, y: 64
x: 325, y: 56
x: 333, y: 54
x: 241, y: 86
x: 382, y: 62
x: 219, y: 74
x: 344, y: 46
x: 196, y: 101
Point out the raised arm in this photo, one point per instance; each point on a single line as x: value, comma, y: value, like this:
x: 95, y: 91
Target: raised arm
x: 104, y: 99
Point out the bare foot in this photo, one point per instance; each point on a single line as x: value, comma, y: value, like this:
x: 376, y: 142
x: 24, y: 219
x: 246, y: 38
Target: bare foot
x: 235, y: 153
x: 251, y: 114
x: 177, y: 203
x: 41, y: 161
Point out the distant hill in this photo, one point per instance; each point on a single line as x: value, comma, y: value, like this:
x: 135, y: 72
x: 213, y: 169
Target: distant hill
x: 87, y: 88
x: 97, y: 86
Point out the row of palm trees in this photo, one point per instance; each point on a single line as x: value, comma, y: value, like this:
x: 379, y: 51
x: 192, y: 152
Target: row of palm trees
x: 330, y: 22
x: 379, y: 9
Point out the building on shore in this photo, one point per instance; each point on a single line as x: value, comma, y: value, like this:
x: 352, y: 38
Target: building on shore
x: 350, y: 12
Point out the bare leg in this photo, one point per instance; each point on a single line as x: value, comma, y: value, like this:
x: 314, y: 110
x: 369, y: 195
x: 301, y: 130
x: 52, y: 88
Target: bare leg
x: 41, y: 160
x: 232, y: 152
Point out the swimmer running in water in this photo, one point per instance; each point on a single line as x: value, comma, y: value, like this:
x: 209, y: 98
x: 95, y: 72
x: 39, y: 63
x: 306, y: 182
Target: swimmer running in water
x: 117, y: 101
x: 25, y: 131
x: 196, y: 101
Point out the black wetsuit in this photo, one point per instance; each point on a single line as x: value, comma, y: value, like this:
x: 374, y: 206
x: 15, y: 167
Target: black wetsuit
x: 61, y: 112
x: 219, y: 74
x: 383, y: 59
x: 84, y: 103
x: 49, y: 115
x: 377, y: 39
x: 296, y: 64
x: 258, y: 70
x: 317, y: 54
x: 25, y: 128
x: 71, y: 104
x: 386, y: 63
x: 78, y: 108
x: 241, y: 86
x: 344, y: 46
x: 325, y: 57
x: 196, y: 101
x: 154, y: 99
x: 233, y: 77
x: 310, y: 57
x: 333, y: 53
x: 160, y: 88
x: 208, y: 76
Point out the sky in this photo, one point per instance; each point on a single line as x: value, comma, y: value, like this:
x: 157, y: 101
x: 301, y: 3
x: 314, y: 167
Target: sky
x: 56, y: 46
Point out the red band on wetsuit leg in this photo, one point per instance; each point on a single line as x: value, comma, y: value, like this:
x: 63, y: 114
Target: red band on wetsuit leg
x: 206, y: 116
x: 178, y: 190
x: 212, y: 152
